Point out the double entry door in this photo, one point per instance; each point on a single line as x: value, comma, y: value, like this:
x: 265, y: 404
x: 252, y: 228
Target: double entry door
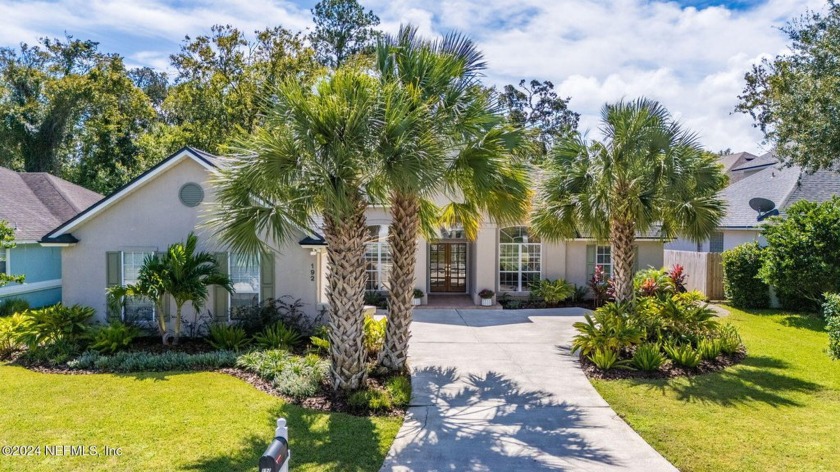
x: 448, y: 267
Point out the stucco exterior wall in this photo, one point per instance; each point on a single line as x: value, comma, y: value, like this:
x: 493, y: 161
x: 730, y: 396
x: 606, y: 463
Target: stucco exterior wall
x: 150, y: 219
x: 42, y: 268
x: 733, y: 238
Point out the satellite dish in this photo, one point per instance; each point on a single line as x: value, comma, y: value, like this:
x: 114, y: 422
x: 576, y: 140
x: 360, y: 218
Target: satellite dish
x: 764, y: 207
x: 761, y: 205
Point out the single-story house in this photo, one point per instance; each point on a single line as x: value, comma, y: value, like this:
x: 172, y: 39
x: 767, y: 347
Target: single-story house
x: 108, y: 242
x: 33, y: 203
x: 753, y: 180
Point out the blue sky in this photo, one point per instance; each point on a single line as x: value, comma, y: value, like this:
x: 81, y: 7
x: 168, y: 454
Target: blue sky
x: 689, y: 54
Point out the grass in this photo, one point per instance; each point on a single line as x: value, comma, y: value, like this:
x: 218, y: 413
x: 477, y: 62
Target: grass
x: 175, y: 421
x: 777, y: 411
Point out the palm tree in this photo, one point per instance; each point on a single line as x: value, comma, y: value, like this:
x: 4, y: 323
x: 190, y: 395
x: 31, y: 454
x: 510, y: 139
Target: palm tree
x: 647, y: 174
x: 443, y: 134
x: 181, y: 272
x: 314, y: 157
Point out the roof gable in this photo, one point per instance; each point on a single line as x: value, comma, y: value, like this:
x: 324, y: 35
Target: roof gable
x: 204, y: 159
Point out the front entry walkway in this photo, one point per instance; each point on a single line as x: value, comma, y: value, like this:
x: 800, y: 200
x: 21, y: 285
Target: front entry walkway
x: 498, y: 391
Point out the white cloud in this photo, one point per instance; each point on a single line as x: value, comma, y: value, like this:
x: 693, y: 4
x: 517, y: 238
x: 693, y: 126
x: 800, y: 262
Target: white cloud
x: 595, y: 51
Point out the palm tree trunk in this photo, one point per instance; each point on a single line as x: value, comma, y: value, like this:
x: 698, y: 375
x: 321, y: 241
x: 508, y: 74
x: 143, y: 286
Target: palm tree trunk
x: 177, y: 324
x: 402, y: 238
x: 161, y: 319
x: 622, y: 239
x: 345, y: 239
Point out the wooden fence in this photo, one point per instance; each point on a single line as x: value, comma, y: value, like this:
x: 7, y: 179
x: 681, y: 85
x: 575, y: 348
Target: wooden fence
x: 704, y: 271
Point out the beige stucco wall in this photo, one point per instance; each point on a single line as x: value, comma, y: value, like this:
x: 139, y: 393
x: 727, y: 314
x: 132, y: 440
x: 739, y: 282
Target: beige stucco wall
x: 151, y: 218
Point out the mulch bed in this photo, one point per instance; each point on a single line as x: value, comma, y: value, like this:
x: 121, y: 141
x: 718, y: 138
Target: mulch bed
x: 668, y: 370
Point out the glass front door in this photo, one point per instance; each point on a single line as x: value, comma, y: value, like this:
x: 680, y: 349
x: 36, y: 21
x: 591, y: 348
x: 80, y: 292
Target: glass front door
x: 448, y: 267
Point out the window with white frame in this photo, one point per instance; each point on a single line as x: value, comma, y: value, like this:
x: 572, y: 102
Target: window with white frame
x: 136, y: 308
x: 4, y: 258
x: 520, y: 259
x: 244, y: 273
x: 377, y: 259
x: 603, y: 258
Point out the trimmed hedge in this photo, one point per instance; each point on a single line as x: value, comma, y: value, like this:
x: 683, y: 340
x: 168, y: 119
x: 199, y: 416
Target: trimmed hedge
x: 149, y: 362
x: 741, y: 284
x: 831, y: 312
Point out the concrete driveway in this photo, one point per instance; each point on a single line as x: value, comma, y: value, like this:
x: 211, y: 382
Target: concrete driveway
x: 499, y: 391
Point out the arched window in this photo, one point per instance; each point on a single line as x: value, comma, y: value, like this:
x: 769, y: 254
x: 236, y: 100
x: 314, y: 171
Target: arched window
x: 520, y: 259
x: 377, y: 258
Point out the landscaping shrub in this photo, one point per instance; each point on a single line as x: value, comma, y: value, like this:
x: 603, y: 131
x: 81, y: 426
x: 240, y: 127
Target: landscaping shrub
x: 730, y: 340
x: 11, y: 306
x: 600, y: 286
x: 370, y: 400
x: 295, y: 376
x: 606, y: 359
x: 647, y: 357
x: 683, y: 355
x: 800, y: 260
x: 374, y: 337
x: 399, y: 388
x: 652, y: 283
x: 377, y: 299
x: 113, y: 337
x: 151, y: 362
x: 552, y: 291
x: 278, y: 336
x: 678, y: 276
x: 321, y: 340
x: 227, y: 337
x: 56, y: 323
x: 831, y: 312
x: 286, y: 310
x: 610, y: 328
x: 741, y: 283
x: 10, y: 335
x: 709, y: 348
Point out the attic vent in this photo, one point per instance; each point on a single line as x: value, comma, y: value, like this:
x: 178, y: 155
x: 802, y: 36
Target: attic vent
x: 191, y: 194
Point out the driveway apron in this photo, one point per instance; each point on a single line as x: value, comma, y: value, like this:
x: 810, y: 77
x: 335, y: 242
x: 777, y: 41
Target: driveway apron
x: 499, y: 391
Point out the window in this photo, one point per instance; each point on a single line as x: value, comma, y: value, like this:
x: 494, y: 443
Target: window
x: 245, y: 276
x: 716, y: 242
x: 520, y: 259
x: 377, y: 259
x: 136, y: 308
x: 603, y: 258
x: 3, y: 261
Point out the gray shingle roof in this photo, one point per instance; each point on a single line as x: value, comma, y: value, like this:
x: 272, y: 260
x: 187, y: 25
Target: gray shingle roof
x: 37, y: 202
x: 764, y: 160
x: 817, y: 187
x: 731, y: 161
x: 770, y: 183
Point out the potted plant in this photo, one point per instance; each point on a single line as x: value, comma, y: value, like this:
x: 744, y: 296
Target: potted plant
x: 486, y: 297
x: 418, y: 297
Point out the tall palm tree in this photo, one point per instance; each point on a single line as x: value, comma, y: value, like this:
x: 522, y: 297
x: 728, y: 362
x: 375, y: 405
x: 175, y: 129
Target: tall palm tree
x: 648, y: 174
x: 443, y: 134
x: 313, y: 158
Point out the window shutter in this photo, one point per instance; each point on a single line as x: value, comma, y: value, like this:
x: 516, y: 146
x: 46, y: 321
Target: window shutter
x: 113, y: 265
x: 590, y: 261
x: 266, y: 276
x: 221, y: 296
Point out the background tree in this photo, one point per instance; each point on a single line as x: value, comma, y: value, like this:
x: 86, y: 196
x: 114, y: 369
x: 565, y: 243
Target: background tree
x: 221, y: 82
x: 443, y: 134
x: 7, y: 241
x: 647, y: 174
x: 342, y: 29
x: 535, y: 106
x: 794, y: 97
x: 71, y: 110
x: 313, y: 157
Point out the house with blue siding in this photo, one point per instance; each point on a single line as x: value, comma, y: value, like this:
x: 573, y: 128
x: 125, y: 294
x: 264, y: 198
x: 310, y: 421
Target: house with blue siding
x: 32, y: 204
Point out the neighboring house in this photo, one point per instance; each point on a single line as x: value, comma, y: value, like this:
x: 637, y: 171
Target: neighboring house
x: 33, y: 203
x: 760, y: 177
x: 109, y: 241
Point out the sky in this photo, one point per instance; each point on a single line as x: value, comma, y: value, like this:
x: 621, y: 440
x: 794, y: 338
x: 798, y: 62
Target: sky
x: 691, y: 55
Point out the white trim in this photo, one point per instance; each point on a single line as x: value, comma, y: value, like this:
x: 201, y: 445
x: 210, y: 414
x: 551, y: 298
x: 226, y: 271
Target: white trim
x: 57, y: 244
x: 30, y: 287
x: 8, y: 259
x: 114, y: 198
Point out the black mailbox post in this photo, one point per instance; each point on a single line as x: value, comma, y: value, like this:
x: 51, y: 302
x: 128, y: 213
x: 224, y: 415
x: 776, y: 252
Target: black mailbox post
x: 275, y: 457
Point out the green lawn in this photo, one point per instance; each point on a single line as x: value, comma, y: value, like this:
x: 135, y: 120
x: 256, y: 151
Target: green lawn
x: 174, y: 421
x: 778, y: 411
